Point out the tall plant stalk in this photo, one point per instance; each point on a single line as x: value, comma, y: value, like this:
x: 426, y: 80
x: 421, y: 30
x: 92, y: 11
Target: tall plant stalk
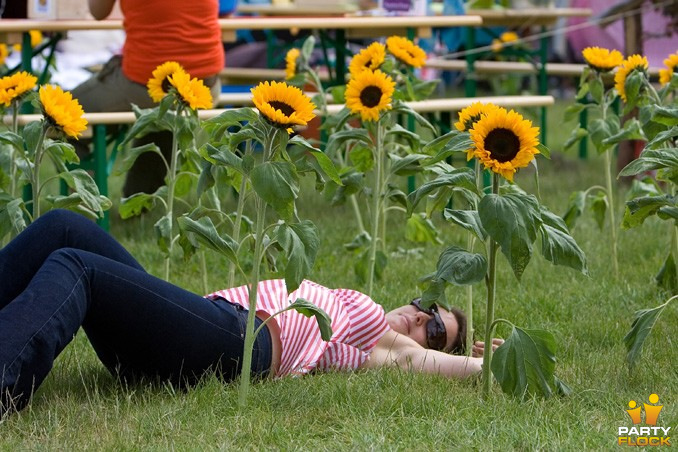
x: 171, y: 182
x: 491, y: 292
x: 376, y: 206
x: 610, y: 198
x: 35, y: 173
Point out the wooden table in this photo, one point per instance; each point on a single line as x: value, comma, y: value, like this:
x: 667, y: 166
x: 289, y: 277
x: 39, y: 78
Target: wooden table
x: 343, y: 28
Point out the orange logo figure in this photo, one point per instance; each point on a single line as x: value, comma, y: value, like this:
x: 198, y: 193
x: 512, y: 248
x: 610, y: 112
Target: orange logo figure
x: 652, y: 411
x: 634, y: 412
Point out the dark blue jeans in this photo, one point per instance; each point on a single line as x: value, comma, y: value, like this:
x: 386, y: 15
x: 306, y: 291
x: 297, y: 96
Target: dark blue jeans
x: 64, y: 272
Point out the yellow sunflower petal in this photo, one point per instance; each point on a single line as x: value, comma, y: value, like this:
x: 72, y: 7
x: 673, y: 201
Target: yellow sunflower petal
x: 15, y: 86
x: 504, y: 141
x: 191, y: 91
x: 632, y: 63
x: 671, y: 63
x: 369, y: 58
x: 509, y: 36
x: 369, y: 93
x: 291, y: 62
x: 159, y: 85
x: 406, y: 51
x: 602, y: 60
x: 36, y: 37
x: 4, y: 53
x: 282, y: 105
x: 62, y: 111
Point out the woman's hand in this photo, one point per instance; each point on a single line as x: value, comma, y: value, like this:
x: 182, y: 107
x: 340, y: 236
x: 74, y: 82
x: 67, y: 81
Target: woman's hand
x: 479, y: 347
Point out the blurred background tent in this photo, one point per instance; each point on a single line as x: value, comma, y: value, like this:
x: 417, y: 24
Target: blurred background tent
x: 657, y: 19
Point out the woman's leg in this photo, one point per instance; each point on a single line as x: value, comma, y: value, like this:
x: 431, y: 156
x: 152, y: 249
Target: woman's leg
x: 24, y: 255
x: 139, y: 325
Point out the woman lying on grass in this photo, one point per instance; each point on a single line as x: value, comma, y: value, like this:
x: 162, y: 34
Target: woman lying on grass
x: 64, y: 272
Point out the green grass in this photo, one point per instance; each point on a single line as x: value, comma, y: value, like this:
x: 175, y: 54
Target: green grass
x: 81, y: 406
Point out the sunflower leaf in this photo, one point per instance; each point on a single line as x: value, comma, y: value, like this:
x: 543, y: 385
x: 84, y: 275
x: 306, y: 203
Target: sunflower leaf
x: 339, y: 139
x: 323, y: 160
x: 512, y: 220
x: 557, y: 245
x: 300, y: 242
x: 11, y: 215
x: 576, y: 135
x: 308, y: 309
x: 401, y: 107
x: 643, y: 322
x: 524, y: 364
x: 667, y: 277
x: 637, y: 210
x: 277, y: 183
x: 459, y: 177
x: 206, y: 233
x: 130, y: 156
x: 447, y: 145
x: 420, y: 229
x: 136, y: 204
x: 458, y: 266
x: 467, y: 219
x: 652, y: 159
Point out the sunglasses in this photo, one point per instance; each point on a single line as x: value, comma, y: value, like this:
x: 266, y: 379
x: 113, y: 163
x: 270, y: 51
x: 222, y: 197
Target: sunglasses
x: 436, y: 334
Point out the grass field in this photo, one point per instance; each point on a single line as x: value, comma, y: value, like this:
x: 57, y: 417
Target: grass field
x: 82, y: 407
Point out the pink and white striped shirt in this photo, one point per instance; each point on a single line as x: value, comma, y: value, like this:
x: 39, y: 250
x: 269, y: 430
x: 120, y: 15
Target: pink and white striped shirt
x: 357, y: 324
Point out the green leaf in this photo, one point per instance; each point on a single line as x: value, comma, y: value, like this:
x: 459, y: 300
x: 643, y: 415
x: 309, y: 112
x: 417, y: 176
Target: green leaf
x: 662, y: 137
x: 582, y: 91
x: 300, y: 243
x: 339, y: 139
x: 459, y: 177
x: 544, y: 151
x: 597, y: 90
x: 136, y: 204
x: 524, y: 364
x: 31, y: 134
x: 222, y: 156
x: 145, y: 119
x: 323, y: 160
x: 637, y: 210
x: 652, y: 159
x: 406, y: 166
x: 163, y: 233
x: 445, y: 145
x: 630, y: 131
x: 398, y: 131
x: 11, y: 215
x: 83, y: 184
x: 277, y: 184
x: 307, y: 48
x: 643, y: 322
x: 632, y: 86
x: 362, y: 158
x: 557, y: 246
x: 512, y: 220
x: 420, y: 229
x: 667, y: 115
x: 401, y: 107
x: 572, y: 111
x: 362, y: 265
x: 458, y: 266
x: 467, y: 219
x: 576, y: 135
x: 206, y: 233
x: 14, y: 140
x: 308, y: 309
x: 601, y: 129
x: 575, y: 208
x: 598, y: 205
x: 668, y: 212
x: 359, y: 242
x: 667, y: 277
x: 129, y: 156
x: 65, y: 152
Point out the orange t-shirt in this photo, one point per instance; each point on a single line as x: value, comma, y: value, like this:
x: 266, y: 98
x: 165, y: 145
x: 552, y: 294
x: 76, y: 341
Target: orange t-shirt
x: 157, y: 31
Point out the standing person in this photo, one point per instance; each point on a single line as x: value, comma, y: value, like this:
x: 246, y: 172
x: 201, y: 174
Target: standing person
x: 157, y: 31
x: 63, y: 272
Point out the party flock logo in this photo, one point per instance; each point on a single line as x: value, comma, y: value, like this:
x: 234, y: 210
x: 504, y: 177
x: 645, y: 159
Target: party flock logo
x: 648, y: 435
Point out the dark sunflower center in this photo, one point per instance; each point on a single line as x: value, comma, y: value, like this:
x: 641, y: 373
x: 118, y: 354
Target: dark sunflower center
x: 368, y: 63
x: 282, y: 106
x: 166, y: 85
x: 370, y: 96
x: 502, y: 144
x: 470, y: 122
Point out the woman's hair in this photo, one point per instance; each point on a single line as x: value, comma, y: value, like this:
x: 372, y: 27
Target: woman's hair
x: 458, y: 346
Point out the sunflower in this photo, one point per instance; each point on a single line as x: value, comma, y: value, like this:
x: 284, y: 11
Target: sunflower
x: 671, y: 63
x: 496, y: 45
x: 36, y: 37
x: 370, y: 57
x: 634, y: 62
x: 469, y: 116
x: 191, y: 91
x: 159, y: 84
x: 369, y: 93
x: 291, y: 63
x: 62, y: 111
x: 504, y: 141
x: 4, y: 53
x: 282, y: 105
x: 16, y: 85
x: 406, y: 51
x: 602, y: 60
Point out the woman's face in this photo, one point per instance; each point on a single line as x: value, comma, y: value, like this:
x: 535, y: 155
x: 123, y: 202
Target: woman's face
x: 408, y: 320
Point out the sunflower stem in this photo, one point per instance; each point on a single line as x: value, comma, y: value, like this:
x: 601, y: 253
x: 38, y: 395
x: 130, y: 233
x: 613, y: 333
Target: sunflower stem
x: 12, y: 162
x: 260, y: 207
x: 376, y: 207
x: 238, y: 222
x: 352, y: 198
x: 491, y: 292
x: 610, y: 197
x: 171, y: 182
x: 35, y: 179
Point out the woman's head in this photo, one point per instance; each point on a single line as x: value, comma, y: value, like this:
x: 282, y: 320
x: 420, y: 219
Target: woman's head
x: 435, y: 328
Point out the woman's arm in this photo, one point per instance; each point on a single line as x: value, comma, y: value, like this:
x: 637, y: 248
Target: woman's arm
x: 100, y: 9
x: 396, y: 350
